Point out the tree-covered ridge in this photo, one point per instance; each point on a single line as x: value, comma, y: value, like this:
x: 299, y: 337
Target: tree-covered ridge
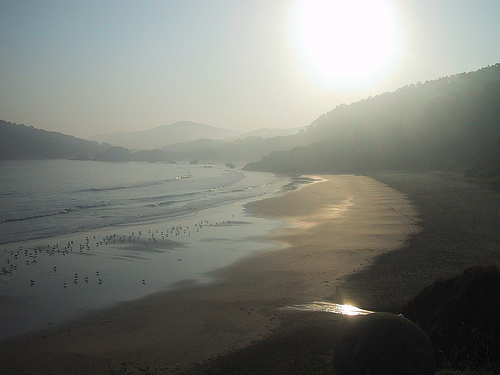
x: 449, y: 123
x: 27, y: 142
x: 452, y: 123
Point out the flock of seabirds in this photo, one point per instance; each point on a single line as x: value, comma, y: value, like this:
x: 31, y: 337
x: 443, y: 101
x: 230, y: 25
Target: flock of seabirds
x: 15, y: 260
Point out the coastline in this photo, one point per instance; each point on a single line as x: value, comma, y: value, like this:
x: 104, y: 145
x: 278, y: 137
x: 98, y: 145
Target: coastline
x: 459, y: 220
x: 337, y: 226
x: 51, y: 281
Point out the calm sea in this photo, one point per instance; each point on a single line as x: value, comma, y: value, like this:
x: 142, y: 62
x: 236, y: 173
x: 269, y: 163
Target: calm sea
x: 44, y: 198
x: 80, y: 235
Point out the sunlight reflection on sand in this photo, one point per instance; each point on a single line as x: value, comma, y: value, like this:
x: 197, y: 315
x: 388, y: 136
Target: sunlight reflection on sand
x: 332, y: 211
x: 334, y: 308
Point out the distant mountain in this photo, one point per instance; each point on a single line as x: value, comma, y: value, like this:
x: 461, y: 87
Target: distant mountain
x: 184, y: 131
x: 240, y: 150
x: 27, y: 142
x: 115, y: 154
x: 452, y: 123
x: 266, y: 133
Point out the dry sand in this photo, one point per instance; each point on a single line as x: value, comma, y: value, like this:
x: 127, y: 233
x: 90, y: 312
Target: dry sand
x: 333, y: 229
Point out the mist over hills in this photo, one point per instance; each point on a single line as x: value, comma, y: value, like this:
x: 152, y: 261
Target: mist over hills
x: 241, y: 150
x: 266, y: 133
x: 452, y: 123
x: 186, y: 133
x: 162, y: 136
x: 27, y: 142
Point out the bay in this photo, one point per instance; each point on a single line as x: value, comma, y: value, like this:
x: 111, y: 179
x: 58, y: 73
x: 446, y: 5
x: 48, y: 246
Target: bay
x: 42, y: 198
x: 81, y: 235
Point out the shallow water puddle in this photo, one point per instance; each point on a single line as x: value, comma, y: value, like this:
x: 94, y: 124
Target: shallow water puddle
x: 334, y: 308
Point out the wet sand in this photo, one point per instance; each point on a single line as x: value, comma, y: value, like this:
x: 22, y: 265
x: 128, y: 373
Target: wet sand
x: 460, y: 220
x: 49, y: 281
x: 460, y: 228
x: 346, y: 238
x: 332, y: 228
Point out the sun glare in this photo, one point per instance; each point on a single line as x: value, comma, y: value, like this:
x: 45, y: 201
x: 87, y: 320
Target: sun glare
x: 330, y: 307
x: 349, y: 310
x: 346, y: 42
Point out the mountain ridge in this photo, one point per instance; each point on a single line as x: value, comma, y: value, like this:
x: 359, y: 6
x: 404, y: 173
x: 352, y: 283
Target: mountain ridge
x: 165, y: 135
x: 452, y: 123
x: 184, y: 132
x: 22, y: 142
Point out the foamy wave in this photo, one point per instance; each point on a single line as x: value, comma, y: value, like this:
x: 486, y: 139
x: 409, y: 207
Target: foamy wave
x: 247, y: 188
x: 91, y: 205
x: 158, y: 204
x: 163, y: 197
x: 140, y: 184
x: 54, y: 213
x: 36, y: 216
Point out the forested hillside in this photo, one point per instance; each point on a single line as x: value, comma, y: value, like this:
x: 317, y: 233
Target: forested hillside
x: 27, y: 142
x: 452, y: 123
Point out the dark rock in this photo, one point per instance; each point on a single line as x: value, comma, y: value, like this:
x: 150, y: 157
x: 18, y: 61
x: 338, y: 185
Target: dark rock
x: 385, y: 344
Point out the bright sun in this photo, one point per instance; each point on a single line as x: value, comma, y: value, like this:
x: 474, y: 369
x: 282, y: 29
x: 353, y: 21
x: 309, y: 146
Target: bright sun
x: 347, y: 42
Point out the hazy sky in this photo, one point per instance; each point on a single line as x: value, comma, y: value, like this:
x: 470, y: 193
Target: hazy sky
x: 89, y: 67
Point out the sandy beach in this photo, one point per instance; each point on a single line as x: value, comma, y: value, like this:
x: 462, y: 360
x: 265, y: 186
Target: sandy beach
x: 344, y: 239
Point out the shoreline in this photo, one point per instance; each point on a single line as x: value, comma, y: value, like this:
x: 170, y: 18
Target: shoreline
x: 240, y: 307
x: 460, y: 229
x: 88, y: 271
x: 159, y: 192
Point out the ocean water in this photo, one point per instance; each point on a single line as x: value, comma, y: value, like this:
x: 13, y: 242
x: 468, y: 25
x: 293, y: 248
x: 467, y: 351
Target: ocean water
x: 80, y: 235
x: 44, y: 198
